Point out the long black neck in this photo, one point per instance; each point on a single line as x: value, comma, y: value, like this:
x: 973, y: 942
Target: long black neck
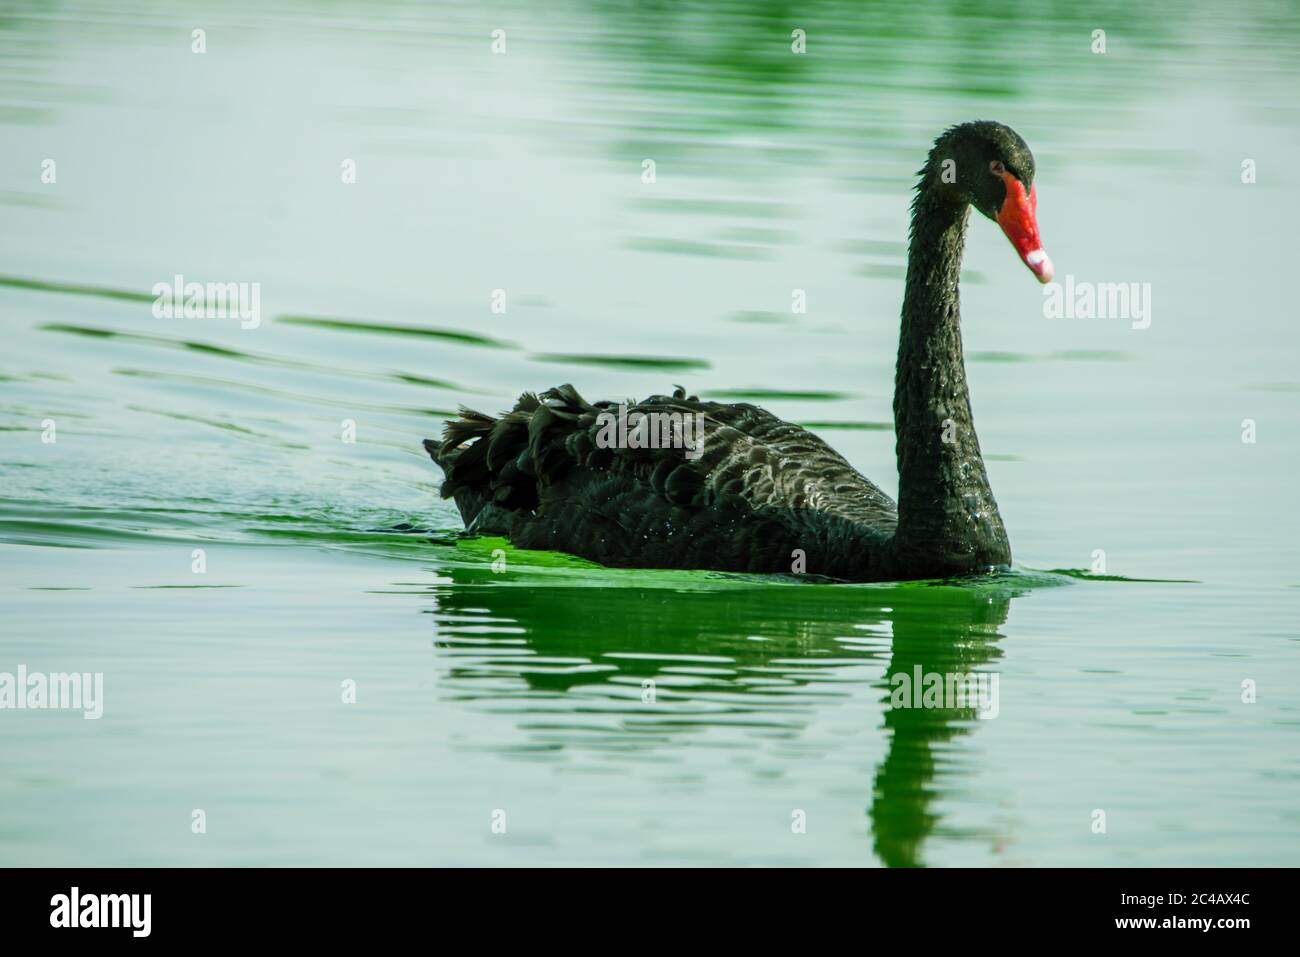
x: 948, y: 522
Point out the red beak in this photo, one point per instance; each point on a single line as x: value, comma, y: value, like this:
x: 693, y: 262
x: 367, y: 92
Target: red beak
x: 1019, y: 220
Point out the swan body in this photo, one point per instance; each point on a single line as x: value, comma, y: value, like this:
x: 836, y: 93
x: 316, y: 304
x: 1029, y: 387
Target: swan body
x: 755, y: 493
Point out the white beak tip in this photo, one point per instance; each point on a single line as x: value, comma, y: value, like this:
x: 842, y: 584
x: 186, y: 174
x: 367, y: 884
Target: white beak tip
x: 1041, y: 264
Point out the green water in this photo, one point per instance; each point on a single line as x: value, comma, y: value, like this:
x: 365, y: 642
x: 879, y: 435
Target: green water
x: 768, y: 737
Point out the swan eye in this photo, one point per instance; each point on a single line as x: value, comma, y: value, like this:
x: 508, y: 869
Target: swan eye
x: 997, y: 169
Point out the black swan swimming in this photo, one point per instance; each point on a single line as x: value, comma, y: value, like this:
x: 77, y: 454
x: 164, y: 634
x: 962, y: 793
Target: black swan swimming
x: 751, y: 493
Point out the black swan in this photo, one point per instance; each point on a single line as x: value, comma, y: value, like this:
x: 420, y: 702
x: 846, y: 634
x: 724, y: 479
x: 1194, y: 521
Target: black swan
x: 748, y: 492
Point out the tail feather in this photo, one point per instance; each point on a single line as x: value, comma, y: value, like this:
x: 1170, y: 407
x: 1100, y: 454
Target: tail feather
x: 487, y: 459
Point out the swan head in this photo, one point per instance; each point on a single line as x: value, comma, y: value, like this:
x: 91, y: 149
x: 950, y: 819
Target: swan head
x: 989, y: 166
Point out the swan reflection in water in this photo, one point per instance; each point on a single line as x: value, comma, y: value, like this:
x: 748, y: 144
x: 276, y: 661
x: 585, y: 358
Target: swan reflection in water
x: 576, y: 666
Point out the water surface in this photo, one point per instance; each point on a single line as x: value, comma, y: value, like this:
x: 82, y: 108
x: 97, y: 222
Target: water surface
x: 1116, y: 453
